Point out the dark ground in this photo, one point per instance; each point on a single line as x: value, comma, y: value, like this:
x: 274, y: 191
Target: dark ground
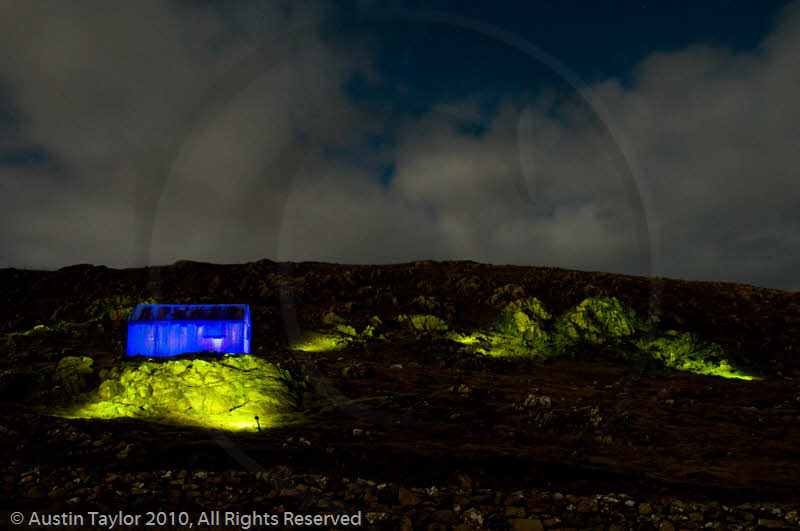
x: 650, y: 433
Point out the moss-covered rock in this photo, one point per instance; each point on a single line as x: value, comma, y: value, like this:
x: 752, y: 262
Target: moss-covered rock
x: 686, y: 352
x: 524, y: 322
x: 597, y: 321
x: 346, y: 330
x: 110, y: 388
x: 506, y: 294
x: 523, y: 329
x: 423, y: 323
x: 228, y: 393
x: 338, y: 334
x: 468, y: 286
x: 332, y: 319
x: 426, y: 304
x: 117, y: 308
x: 74, y: 374
x: 37, y: 331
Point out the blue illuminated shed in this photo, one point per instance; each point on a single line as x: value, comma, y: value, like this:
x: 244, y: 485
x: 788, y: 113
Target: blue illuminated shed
x: 172, y: 329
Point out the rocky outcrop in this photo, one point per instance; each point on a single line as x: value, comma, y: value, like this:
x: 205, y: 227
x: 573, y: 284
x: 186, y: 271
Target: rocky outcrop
x: 230, y: 393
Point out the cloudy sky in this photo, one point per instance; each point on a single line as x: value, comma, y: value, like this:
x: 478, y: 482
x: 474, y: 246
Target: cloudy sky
x: 635, y: 139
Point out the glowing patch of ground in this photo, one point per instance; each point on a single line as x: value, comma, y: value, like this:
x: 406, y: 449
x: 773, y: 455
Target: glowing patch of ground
x: 321, y: 342
x: 337, y: 335
x: 226, y: 394
x: 468, y: 339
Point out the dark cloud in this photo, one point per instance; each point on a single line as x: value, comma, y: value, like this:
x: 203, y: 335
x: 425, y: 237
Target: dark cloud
x: 176, y: 131
x: 116, y: 95
x: 715, y: 134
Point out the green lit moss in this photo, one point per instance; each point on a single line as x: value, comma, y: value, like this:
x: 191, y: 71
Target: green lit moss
x: 225, y: 394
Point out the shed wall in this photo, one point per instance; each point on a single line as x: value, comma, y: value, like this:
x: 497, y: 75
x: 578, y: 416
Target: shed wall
x: 170, y: 338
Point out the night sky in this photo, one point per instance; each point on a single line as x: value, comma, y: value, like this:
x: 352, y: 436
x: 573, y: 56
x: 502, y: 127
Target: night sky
x: 642, y: 139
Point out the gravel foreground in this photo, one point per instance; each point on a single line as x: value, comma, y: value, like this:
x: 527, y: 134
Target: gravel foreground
x: 277, y: 490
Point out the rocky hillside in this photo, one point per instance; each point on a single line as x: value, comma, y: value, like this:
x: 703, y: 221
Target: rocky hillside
x: 428, y: 395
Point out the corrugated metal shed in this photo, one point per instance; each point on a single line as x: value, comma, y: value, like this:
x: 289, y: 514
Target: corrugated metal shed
x: 172, y: 329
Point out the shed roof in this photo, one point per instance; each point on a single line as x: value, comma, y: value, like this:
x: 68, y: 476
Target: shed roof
x: 189, y: 312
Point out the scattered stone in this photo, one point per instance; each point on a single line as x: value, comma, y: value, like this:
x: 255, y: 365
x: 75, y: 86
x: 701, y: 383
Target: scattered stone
x: 357, y: 370
x: 666, y: 525
x: 461, y: 389
x: 36, y: 492
x: 374, y: 518
x: 473, y: 517
x: 406, y: 497
x: 538, y: 409
x: 73, y: 374
x: 57, y: 493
